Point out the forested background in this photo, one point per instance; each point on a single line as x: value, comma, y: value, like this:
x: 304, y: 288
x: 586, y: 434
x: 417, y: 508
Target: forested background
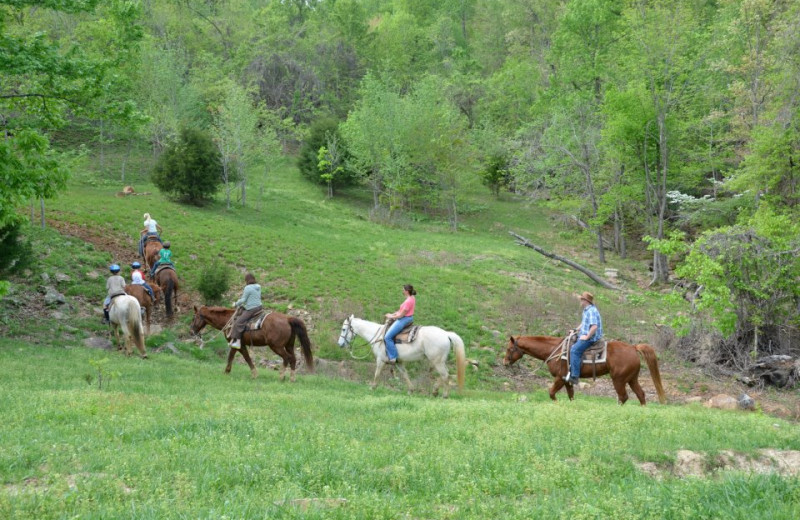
x: 667, y: 124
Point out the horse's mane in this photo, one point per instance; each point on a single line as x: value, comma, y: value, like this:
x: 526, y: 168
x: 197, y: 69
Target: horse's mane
x: 217, y: 309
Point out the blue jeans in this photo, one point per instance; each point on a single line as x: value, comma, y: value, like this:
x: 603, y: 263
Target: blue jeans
x: 394, y: 330
x: 575, y: 355
x: 149, y: 290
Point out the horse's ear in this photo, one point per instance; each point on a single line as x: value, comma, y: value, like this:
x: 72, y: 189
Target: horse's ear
x: 195, y: 308
x: 511, y: 338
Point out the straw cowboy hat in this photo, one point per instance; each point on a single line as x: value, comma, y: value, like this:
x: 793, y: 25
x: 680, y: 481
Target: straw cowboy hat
x: 589, y: 297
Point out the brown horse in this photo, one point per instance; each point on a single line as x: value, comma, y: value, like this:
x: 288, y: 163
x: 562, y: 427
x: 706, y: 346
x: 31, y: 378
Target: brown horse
x: 139, y: 292
x: 622, y: 362
x: 167, y: 279
x: 151, y: 248
x: 277, y: 332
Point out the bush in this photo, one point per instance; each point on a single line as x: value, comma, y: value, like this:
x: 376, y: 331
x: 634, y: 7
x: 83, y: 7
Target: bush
x: 190, y: 169
x: 319, y: 135
x: 214, y: 282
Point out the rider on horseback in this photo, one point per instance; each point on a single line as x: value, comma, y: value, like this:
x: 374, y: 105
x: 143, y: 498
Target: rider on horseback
x: 251, y: 303
x: 137, y: 278
x: 115, y: 285
x: 590, y: 330
x: 403, y: 317
x: 151, y: 229
x: 164, y: 257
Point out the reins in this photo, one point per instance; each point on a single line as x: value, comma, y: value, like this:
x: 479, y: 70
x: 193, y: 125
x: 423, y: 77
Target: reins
x: 553, y: 354
x: 349, y: 343
x: 225, y: 327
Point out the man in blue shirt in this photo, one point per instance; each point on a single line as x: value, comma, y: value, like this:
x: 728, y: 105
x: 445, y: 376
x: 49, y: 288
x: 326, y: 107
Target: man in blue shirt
x: 590, y: 331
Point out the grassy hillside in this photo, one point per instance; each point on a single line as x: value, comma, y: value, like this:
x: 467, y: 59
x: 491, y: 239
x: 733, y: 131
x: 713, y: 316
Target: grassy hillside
x: 329, y: 257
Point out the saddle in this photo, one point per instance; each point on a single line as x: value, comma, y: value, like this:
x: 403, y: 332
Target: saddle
x: 407, y: 335
x: 161, y: 267
x: 257, y: 320
x: 593, y: 355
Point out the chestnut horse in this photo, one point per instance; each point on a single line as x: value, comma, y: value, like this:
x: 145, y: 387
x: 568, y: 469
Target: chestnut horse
x: 145, y: 302
x: 622, y: 362
x: 277, y: 332
x: 167, y: 279
x: 151, y: 248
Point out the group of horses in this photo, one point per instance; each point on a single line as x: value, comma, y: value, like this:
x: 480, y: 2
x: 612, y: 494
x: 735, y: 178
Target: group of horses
x: 279, y: 331
x: 125, y: 314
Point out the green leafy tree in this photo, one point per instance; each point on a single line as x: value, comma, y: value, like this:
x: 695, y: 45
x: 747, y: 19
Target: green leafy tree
x: 190, y: 169
x: 323, y: 133
x: 45, y: 80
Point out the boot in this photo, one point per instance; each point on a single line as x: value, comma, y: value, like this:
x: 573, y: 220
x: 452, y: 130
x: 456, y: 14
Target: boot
x: 106, y: 317
x: 236, y: 344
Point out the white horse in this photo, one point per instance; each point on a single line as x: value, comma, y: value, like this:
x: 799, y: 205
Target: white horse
x: 431, y: 342
x: 125, y: 313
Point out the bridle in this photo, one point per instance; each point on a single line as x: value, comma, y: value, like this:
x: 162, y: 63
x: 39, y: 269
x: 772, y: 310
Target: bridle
x: 553, y: 354
x: 351, y: 332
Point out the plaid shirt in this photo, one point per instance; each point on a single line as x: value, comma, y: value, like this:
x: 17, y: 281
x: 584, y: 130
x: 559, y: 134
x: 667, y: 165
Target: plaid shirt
x: 591, y: 316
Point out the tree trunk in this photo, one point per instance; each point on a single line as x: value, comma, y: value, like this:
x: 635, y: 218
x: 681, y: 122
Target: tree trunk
x: 41, y: 205
x: 525, y: 242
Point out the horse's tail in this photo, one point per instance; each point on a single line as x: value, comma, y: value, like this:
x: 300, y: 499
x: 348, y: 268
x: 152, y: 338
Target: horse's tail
x: 461, y: 358
x: 299, y: 328
x: 134, y: 319
x: 652, y: 364
x: 170, y: 287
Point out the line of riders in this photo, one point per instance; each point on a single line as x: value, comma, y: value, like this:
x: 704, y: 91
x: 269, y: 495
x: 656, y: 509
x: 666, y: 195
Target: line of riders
x: 115, y: 284
x: 249, y: 305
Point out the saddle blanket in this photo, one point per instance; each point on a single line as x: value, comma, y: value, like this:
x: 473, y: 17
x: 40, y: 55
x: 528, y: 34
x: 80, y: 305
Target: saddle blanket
x: 595, y: 354
x: 257, y: 320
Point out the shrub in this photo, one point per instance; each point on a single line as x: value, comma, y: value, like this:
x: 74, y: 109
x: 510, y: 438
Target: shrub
x: 189, y: 169
x: 214, y: 282
x: 320, y: 135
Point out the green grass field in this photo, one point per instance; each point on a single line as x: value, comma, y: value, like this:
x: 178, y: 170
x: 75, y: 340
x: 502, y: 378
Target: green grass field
x: 172, y: 437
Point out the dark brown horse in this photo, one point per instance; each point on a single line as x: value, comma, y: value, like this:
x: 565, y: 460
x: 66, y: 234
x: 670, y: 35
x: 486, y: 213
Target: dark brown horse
x: 168, y: 281
x: 152, y: 246
x: 145, y: 302
x: 622, y: 362
x: 277, y: 332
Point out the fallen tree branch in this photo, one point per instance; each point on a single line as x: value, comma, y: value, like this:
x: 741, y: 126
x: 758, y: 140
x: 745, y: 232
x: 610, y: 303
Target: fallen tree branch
x: 525, y: 242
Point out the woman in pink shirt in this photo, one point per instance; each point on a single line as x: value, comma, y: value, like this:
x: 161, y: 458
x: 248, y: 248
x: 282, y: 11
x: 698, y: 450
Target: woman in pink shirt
x: 404, y: 316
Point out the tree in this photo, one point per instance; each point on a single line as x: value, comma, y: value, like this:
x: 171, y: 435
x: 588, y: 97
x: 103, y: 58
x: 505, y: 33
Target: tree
x: 45, y: 79
x: 323, y: 133
x: 189, y: 169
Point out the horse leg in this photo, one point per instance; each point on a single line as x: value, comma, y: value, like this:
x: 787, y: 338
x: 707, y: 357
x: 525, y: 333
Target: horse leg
x: 147, y: 319
x: 378, y: 369
x: 619, y: 386
x: 442, y: 369
x: 637, y: 389
x: 558, y: 383
x: 404, y: 373
x: 231, y: 355
x: 246, y: 356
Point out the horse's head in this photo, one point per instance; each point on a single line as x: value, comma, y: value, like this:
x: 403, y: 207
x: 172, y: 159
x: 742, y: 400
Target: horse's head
x: 199, y: 321
x: 347, y: 334
x: 513, y: 353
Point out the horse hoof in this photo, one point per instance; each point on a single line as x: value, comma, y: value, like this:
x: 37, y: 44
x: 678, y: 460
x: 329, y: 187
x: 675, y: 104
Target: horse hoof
x: 254, y: 373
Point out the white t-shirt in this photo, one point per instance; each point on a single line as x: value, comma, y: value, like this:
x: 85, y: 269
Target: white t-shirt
x: 151, y: 226
x: 136, y: 278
